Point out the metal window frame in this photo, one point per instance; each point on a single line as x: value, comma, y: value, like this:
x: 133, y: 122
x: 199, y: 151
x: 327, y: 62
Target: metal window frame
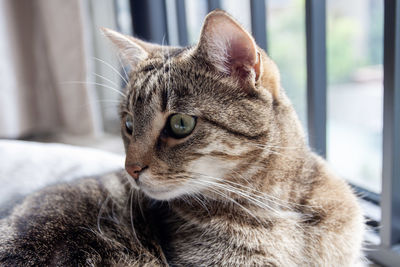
x: 149, y: 20
x: 391, y: 122
x: 259, y: 22
x: 182, y: 23
x: 213, y: 4
x: 388, y: 251
x: 316, y: 74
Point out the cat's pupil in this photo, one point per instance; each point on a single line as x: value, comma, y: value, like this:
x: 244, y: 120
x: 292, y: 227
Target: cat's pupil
x: 129, y: 124
x: 181, y: 125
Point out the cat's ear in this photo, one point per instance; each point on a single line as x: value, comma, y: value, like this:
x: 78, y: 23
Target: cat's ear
x: 132, y: 50
x: 229, y: 47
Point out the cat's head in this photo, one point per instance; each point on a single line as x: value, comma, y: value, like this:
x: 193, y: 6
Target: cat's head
x: 196, y: 115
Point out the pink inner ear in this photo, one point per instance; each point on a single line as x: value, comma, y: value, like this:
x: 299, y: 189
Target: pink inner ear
x: 240, y: 52
x: 241, y: 58
x: 229, y: 47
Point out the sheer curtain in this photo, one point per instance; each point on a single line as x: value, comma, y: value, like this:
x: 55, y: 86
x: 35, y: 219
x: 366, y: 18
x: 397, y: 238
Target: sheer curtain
x: 43, y: 59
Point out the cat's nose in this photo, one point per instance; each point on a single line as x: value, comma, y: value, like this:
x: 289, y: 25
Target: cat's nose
x: 134, y: 170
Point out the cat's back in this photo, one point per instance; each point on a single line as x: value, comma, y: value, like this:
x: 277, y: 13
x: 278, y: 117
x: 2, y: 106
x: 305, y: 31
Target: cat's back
x: 93, y: 221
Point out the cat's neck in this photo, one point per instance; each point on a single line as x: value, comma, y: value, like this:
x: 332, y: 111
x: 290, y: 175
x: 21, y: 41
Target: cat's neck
x: 257, y: 198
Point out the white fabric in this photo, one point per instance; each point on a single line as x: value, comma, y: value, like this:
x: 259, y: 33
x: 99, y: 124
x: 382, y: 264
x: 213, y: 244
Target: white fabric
x: 29, y: 166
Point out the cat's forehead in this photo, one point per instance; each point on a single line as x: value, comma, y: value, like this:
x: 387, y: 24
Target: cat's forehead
x: 162, y: 54
x: 166, y: 78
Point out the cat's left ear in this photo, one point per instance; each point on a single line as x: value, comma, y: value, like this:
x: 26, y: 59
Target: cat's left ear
x: 132, y: 50
x: 229, y: 47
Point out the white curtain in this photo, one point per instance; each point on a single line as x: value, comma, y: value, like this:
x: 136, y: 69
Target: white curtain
x: 43, y: 54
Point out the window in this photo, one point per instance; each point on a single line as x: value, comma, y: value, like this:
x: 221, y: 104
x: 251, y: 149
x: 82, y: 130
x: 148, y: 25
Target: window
x: 355, y: 90
x: 333, y: 56
x: 286, y: 46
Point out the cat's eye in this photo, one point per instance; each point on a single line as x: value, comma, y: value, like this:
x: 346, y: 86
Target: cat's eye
x: 180, y: 125
x: 129, y: 124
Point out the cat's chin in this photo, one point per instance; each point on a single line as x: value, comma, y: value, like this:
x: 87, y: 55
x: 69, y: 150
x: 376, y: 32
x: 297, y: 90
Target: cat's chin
x: 161, y: 194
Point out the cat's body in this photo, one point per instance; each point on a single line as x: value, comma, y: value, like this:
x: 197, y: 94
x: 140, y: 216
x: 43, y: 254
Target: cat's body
x: 241, y: 185
x: 88, y: 223
x: 85, y: 223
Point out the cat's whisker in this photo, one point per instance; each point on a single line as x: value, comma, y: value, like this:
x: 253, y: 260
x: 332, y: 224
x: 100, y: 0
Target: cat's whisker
x: 237, y: 203
x: 127, y: 180
x: 131, y: 192
x: 275, y: 146
x: 99, y: 215
x: 169, y: 71
x: 263, y: 194
x: 166, y: 60
x: 198, y: 200
x: 270, y: 148
x: 139, y: 201
x: 123, y: 68
x: 87, y: 106
x: 113, y: 214
x: 245, y: 195
x: 258, y: 194
x: 111, y: 67
x: 99, y: 84
x: 106, y: 101
x: 127, y: 85
x: 266, y: 196
x: 105, y: 79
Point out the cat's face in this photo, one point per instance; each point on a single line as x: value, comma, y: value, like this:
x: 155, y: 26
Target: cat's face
x: 194, y: 116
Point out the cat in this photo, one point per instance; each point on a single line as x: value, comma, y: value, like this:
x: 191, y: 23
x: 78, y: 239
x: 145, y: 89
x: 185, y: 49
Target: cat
x: 217, y: 173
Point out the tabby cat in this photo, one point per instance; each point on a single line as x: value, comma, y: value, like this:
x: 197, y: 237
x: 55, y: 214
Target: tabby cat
x: 217, y: 173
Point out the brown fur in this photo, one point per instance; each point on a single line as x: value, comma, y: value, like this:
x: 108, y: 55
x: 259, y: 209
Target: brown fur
x: 243, y: 189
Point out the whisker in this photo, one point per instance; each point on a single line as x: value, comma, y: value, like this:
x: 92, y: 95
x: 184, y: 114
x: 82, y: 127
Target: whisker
x: 99, y: 216
x: 94, y: 83
x: 106, y: 101
x: 169, y: 71
x: 110, y: 66
x: 244, y: 194
x: 237, y: 184
x: 123, y: 67
x: 235, y: 202
x: 259, y: 194
x: 275, y: 146
x: 131, y: 215
x: 198, y: 200
x: 106, y: 79
x: 268, y: 149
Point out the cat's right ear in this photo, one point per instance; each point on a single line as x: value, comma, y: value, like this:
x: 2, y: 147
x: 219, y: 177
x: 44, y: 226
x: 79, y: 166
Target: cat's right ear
x: 132, y: 50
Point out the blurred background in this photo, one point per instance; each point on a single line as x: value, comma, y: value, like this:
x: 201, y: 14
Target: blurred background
x: 60, y: 77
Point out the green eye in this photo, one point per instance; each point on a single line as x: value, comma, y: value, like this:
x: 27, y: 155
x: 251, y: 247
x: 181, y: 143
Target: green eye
x: 181, y: 125
x: 129, y: 124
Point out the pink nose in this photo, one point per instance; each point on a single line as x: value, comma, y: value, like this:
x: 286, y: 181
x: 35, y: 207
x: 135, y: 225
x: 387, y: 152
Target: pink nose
x: 134, y: 170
